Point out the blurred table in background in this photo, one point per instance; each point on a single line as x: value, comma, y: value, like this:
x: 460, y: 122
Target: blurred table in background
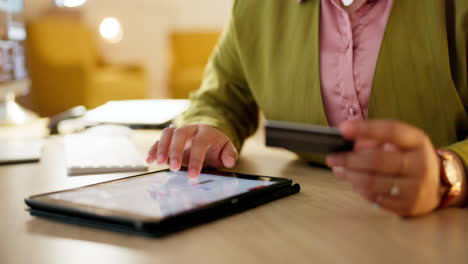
x: 325, y: 223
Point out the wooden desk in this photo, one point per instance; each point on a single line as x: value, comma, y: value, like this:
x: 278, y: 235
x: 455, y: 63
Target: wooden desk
x: 325, y: 223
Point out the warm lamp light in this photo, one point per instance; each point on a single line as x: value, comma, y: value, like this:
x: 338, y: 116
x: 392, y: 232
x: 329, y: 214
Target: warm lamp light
x: 70, y: 3
x: 111, y: 30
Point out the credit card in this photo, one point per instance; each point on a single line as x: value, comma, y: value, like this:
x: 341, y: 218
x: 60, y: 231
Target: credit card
x: 306, y: 138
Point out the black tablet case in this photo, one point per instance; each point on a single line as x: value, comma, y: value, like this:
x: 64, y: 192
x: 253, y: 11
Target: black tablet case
x: 162, y: 228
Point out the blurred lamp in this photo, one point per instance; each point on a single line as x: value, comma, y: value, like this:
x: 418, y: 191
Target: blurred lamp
x: 111, y: 30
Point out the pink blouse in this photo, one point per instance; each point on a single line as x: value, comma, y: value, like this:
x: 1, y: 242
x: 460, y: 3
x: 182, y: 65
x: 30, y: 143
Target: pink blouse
x: 349, y: 49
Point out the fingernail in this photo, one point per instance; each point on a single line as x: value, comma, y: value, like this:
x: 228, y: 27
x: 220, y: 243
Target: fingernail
x: 193, y: 173
x: 230, y: 161
x: 160, y: 159
x: 338, y: 171
x: 347, y: 128
x: 389, y: 147
x: 174, y: 165
x: 331, y: 160
x: 149, y: 159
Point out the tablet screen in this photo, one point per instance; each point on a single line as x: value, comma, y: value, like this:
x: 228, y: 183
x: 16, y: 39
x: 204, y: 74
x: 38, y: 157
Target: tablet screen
x: 160, y: 194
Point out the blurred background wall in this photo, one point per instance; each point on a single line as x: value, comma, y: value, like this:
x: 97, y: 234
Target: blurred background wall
x: 147, y: 25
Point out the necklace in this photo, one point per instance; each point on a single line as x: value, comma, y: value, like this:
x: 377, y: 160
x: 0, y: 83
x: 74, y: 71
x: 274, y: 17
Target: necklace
x: 347, y: 2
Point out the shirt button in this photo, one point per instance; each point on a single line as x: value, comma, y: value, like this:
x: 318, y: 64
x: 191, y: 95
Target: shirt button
x: 352, y: 111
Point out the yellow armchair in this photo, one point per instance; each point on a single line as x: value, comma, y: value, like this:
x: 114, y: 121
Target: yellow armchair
x: 66, y: 70
x: 189, y: 54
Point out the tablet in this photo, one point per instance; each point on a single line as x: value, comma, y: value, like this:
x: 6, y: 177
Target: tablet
x: 158, y: 203
x: 306, y: 138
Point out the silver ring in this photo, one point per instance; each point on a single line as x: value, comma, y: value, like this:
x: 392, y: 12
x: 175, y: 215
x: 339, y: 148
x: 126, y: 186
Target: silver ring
x: 395, y: 190
x: 376, y: 206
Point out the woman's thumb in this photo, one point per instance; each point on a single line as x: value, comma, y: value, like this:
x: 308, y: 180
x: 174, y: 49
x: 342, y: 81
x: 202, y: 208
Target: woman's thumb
x: 229, y: 155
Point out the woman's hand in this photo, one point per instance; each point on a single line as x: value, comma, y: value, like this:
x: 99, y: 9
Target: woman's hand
x: 195, y: 146
x: 393, y: 164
